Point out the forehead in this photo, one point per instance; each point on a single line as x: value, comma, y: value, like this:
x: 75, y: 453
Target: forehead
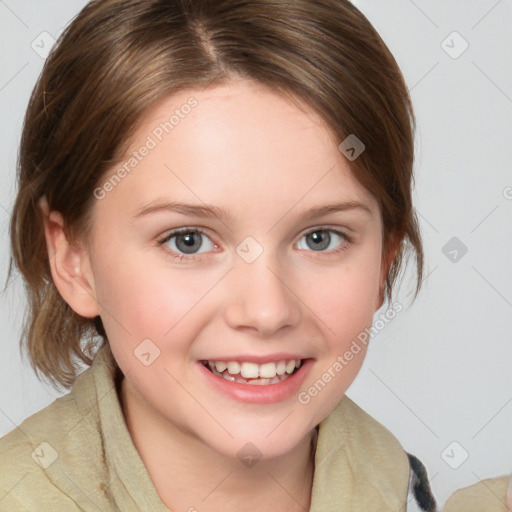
x: 235, y: 146
x: 239, y: 116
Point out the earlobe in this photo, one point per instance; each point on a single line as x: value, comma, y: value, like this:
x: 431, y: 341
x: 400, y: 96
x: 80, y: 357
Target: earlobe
x: 69, y: 265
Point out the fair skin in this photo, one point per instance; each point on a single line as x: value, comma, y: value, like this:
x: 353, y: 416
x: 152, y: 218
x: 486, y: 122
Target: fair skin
x: 265, y: 161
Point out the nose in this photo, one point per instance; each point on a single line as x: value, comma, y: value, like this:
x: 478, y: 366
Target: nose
x: 261, y: 298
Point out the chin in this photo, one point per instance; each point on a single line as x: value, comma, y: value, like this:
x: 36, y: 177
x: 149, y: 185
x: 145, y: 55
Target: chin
x: 261, y: 443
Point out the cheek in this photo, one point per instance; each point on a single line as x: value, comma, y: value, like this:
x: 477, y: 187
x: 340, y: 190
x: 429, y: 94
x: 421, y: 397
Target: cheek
x: 344, y: 305
x: 145, y: 303
x: 346, y: 299
x: 140, y: 300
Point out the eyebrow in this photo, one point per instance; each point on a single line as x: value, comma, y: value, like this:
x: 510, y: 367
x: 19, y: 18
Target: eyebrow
x: 192, y: 210
x: 214, y: 212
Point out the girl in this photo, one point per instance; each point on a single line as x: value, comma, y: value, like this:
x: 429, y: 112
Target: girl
x: 214, y: 200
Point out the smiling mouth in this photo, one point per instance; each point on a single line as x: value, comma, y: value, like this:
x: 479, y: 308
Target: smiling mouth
x: 254, y: 374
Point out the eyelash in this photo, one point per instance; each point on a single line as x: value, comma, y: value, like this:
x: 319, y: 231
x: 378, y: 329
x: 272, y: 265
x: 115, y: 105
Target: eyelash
x: 191, y: 257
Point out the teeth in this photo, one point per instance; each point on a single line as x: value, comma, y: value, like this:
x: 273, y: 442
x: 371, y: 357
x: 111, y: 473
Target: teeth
x: 258, y: 382
x: 264, y: 372
x: 268, y: 370
x: 290, y: 366
x: 249, y: 370
x: 233, y: 367
x: 220, y: 366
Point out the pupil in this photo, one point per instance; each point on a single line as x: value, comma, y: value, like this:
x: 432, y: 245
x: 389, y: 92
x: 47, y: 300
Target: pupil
x: 189, y: 242
x: 321, y: 240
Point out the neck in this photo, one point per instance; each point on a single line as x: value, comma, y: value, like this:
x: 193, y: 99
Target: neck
x: 190, y: 476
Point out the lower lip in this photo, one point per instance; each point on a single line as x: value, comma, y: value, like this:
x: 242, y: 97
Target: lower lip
x: 256, y: 394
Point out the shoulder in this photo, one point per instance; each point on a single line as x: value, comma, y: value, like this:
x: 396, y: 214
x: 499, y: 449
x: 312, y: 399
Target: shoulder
x: 375, y: 469
x: 489, y: 495
x: 381, y: 450
x: 38, y: 459
x: 374, y: 441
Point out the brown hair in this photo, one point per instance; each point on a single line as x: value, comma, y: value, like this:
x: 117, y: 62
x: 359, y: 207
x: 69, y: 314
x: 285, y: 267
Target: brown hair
x: 119, y: 57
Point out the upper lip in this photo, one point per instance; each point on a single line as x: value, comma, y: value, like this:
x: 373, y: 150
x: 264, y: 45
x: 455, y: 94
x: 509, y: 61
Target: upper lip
x: 271, y: 358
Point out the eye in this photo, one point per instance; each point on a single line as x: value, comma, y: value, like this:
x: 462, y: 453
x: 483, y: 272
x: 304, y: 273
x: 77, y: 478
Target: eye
x: 323, y: 240
x: 188, y: 241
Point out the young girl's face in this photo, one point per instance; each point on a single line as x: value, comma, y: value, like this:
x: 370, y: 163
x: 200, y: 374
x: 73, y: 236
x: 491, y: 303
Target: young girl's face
x: 281, y: 260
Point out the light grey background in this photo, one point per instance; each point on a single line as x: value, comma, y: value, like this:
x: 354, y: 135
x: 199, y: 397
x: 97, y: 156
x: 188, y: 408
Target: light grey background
x: 439, y: 376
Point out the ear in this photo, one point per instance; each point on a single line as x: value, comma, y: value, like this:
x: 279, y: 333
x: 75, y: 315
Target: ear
x: 387, y: 260
x: 69, y: 265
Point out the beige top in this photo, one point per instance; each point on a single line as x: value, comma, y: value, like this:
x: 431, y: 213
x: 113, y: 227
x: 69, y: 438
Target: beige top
x: 77, y: 455
x: 488, y: 495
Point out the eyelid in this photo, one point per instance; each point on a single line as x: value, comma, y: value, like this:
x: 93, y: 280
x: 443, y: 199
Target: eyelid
x: 323, y: 228
x: 178, y: 231
x: 344, y: 232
